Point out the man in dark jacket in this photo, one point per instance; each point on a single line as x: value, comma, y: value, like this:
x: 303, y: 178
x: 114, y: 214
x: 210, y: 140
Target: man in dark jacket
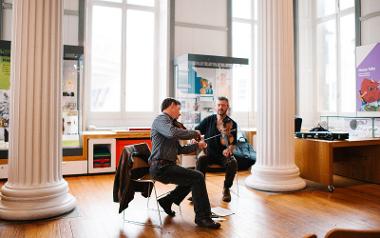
x: 219, y: 148
x: 165, y: 148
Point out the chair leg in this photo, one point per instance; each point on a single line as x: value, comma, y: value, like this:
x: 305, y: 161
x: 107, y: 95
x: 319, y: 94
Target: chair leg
x: 151, y: 183
x: 158, y: 207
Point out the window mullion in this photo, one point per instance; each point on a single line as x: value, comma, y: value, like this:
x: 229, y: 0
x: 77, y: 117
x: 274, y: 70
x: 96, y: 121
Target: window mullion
x: 142, y: 8
x: 106, y: 4
x: 338, y: 59
x: 157, y: 73
x: 123, y: 60
x: 242, y: 20
x: 315, y: 64
x: 87, y: 113
x: 253, y: 52
x: 347, y: 11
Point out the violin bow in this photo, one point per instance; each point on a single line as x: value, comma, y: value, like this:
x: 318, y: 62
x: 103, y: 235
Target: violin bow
x: 218, y: 135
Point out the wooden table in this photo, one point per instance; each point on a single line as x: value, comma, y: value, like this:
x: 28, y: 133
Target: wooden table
x: 319, y: 160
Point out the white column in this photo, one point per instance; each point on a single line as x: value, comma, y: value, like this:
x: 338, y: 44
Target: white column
x: 35, y: 187
x: 275, y: 169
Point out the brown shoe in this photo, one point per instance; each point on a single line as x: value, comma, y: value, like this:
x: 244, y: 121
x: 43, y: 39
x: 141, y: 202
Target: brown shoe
x: 226, y: 195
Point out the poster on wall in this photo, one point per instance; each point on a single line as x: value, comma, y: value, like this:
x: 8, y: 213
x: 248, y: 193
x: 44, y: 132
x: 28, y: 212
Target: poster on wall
x: 368, y: 78
x: 5, y: 72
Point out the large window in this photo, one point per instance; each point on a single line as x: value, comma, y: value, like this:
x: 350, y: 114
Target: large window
x: 335, y: 47
x: 325, y: 59
x: 244, y: 45
x: 123, y: 39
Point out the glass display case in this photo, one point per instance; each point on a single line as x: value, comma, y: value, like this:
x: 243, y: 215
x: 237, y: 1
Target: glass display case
x: 357, y: 127
x: 71, y: 96
x: 199, y: 80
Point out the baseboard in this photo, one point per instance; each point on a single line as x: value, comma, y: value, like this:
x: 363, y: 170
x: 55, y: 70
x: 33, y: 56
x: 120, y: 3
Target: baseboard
x: 68, y: 168
x: 74, y: 167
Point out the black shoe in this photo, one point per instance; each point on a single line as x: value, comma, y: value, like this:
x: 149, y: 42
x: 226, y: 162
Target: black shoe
x: 207, y: 222
x: 167, y: 206
x: 226, y: 195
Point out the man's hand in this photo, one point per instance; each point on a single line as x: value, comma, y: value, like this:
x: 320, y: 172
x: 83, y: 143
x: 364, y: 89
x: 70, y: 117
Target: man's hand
x: 202, y: 145
x: 227, y: 152
x: 198, y: 136
x: 194, y: 141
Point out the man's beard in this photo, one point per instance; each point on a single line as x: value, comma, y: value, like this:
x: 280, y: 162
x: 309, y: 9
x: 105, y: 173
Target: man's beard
x: 222, y: 113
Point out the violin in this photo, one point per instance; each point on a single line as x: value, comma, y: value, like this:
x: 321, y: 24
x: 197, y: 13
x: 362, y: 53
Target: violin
x: 226, y: 137
x: 181, y: 126
x: 178, y: 124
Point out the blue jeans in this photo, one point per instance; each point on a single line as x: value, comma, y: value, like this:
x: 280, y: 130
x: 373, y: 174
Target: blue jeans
x: 187, y: 180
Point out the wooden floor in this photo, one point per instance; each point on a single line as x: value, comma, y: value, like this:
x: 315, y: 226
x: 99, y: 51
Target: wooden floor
x: 257, y: 214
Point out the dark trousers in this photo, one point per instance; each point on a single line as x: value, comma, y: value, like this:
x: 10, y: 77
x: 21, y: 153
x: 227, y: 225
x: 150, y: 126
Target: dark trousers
x: 187, y: 180
x: 229, y: 163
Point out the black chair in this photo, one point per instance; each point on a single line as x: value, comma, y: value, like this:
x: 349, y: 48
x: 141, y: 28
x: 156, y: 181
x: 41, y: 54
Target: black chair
x: 138, y: 164
x: 297, y: 124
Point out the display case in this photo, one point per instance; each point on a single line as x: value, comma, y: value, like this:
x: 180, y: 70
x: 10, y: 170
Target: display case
x: 71, y: 96
x: 199, y: 80
x: 357, y: 127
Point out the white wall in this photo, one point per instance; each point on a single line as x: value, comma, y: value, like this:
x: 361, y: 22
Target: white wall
x: 370, y: 25
x: 70, y: 22
x: 200, y: 27
x: 7, y: 22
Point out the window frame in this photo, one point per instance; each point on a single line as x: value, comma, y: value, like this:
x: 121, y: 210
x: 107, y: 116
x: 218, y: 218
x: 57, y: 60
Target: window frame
x: 319, y: 20
x: 122, y: 118
x: 253, y: 21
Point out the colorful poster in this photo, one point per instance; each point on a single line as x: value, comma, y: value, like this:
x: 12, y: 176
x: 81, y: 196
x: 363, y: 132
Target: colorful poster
x: 4, y: 108
x: 5, y: 68
x: 199, y: 81
x: 368, y: 77
x: 204, y: 80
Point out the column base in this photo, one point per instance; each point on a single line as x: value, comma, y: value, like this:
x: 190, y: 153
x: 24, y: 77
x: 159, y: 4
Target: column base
x: 35, y: 202
x: 275, y: 179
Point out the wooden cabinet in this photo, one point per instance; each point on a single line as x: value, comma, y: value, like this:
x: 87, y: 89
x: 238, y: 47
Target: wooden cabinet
x: 319, y: 160
x: 121, y: 139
